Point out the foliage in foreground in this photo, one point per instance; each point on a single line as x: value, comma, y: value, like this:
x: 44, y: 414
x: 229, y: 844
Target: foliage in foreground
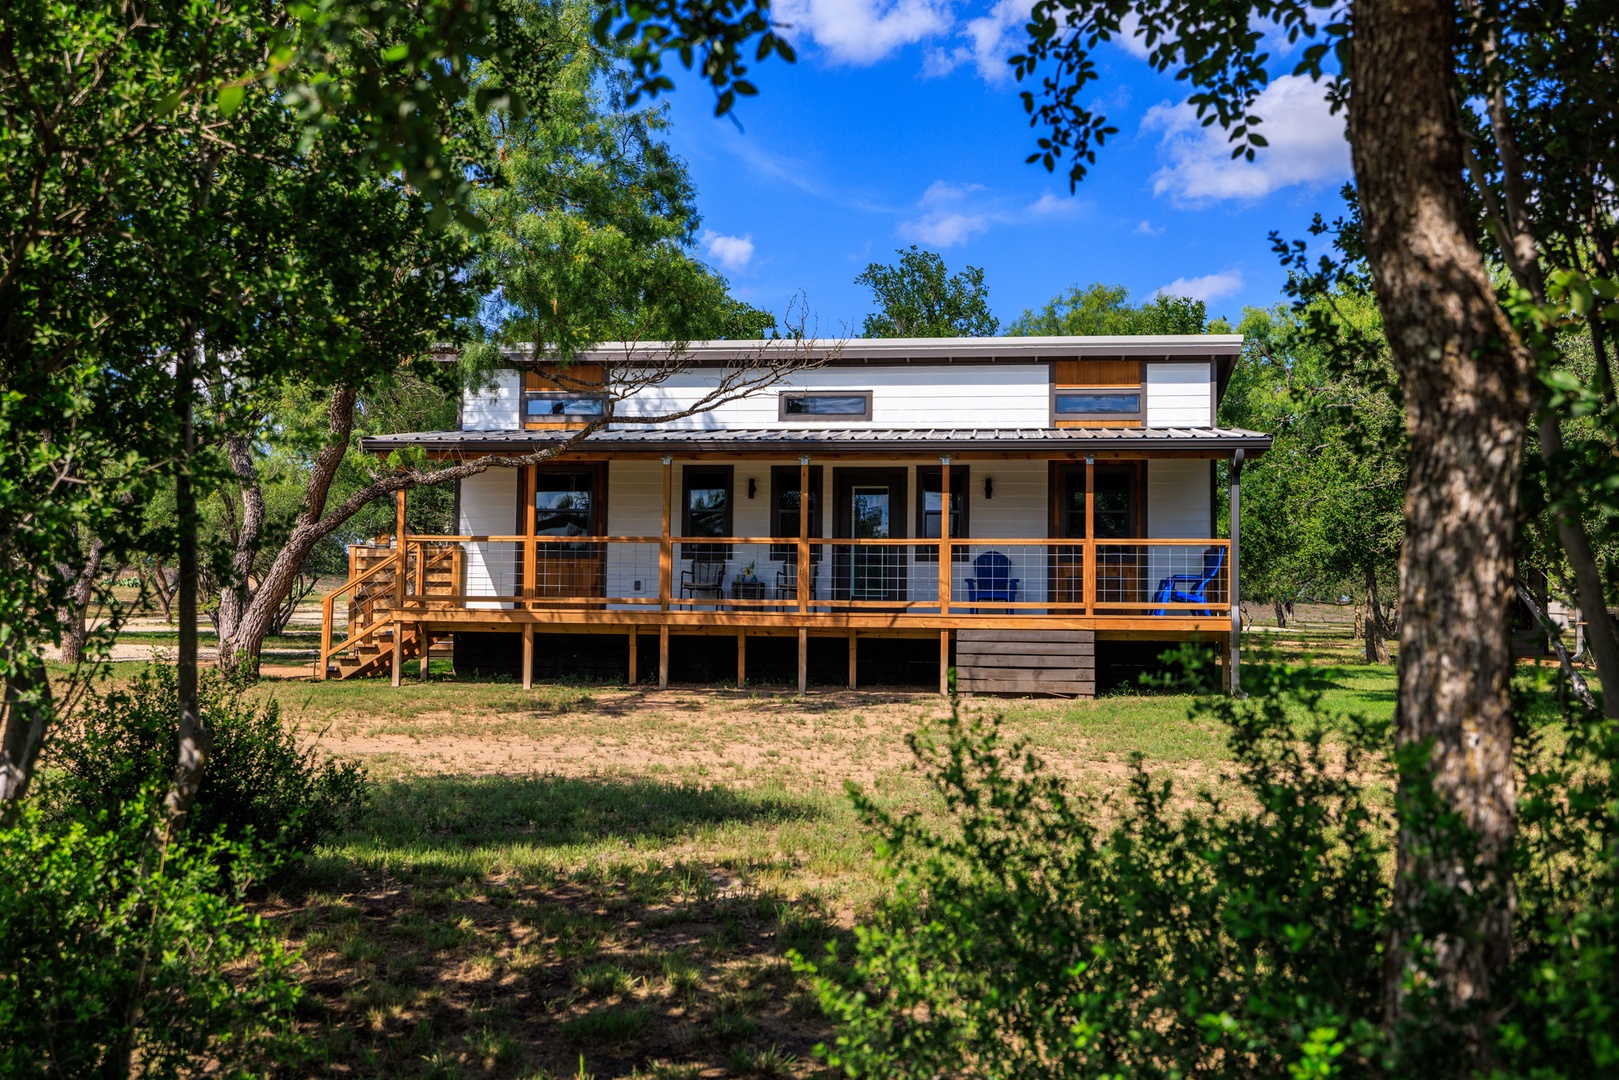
x: 1239, y: 937
x: 260, y: 786
x: 99, y: 953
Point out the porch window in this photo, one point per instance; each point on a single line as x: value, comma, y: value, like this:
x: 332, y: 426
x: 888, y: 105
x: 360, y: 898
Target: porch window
x: 564, y: 506
x: 784, y: 509
x: 707, y: 502
x: 825, y: 405
x: 929, y: 509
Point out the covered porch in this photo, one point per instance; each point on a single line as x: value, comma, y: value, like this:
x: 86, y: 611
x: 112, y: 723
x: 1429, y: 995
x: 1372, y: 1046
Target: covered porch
x: 1026, y: 547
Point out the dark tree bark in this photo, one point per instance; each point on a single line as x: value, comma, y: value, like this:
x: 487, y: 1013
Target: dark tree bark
x: 1467, y: 385
x: 1377, y: 650
x: 74, y: 619
x: 234, y: 596
x: 1281, y: 614
x: 195, y: 741
x: 26, y: 710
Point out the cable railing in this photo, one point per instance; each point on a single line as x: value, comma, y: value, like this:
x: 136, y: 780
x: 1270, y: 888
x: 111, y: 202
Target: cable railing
x: 1022, y: 576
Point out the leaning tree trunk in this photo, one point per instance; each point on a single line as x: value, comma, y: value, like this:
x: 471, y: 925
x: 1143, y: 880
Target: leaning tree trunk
x: 241, y: 646
x: 1377, y: 650
x: 1466, y: 380
x: 234, y: 595
x: 74, y: 618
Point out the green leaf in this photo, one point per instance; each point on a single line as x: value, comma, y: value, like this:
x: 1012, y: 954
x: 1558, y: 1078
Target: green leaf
x: 230, y: 99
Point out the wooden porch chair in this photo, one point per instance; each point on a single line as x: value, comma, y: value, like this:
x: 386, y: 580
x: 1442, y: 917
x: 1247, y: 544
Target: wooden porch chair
x: 704, y: 577
x: 1191, y: 588
x: 992, y: 580
x: 787, y: 579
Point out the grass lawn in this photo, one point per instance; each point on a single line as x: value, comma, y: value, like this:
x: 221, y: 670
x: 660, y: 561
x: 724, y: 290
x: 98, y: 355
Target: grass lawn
x: 608, y: 880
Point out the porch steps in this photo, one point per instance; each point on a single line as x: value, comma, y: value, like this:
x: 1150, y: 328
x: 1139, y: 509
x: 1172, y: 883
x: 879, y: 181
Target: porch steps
x: 1026, y: 662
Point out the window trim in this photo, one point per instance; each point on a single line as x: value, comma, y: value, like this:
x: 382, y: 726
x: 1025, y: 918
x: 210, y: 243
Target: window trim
x: 960, y: 483
x: 561, y: 395
x: 784, y: 417
x: 1137, y: 416
x: 784, y: 478
x: 723, y: 551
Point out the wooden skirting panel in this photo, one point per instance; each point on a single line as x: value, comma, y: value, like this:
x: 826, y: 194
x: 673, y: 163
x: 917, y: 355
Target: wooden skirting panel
x: 1026, y: 662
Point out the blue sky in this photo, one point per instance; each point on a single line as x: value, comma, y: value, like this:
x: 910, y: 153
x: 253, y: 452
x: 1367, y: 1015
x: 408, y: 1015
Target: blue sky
x: 900, y: 124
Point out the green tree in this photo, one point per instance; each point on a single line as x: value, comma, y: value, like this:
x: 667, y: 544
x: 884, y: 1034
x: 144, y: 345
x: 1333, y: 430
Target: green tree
x: 919, y: 297
x: 1106, y: 309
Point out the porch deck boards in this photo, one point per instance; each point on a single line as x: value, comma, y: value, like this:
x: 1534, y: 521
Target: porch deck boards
x: 1026, y: 662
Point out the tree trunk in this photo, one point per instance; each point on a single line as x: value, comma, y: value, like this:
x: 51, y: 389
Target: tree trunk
x: 1466, y: 380
x: 76, y: 631
x: 195, y: 741
x: 1281, y: 614
x: 26, y: 710
x: 235, y: 593
x: 1377, y: 650
x: 239, y: 649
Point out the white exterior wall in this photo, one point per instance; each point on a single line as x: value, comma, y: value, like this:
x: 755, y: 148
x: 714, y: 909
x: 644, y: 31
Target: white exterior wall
x: 961, y: 395
x: 1179, y: 395
x: 489, y: 508
x: 496, y: 408
x: 1177, y: 508
x: 916, y: 396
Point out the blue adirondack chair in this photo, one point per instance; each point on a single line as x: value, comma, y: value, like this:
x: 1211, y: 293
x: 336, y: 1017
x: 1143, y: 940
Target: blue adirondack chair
x: 1191, y: 588
x: 992, y: 580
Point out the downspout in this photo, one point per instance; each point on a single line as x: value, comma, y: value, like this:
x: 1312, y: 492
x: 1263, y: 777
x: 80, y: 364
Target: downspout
x: 1233, y: 674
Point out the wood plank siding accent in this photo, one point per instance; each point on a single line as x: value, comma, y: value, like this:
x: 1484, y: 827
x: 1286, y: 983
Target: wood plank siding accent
x: 1100, y: 373
x: 582, y: 379
x: 1026, y: 662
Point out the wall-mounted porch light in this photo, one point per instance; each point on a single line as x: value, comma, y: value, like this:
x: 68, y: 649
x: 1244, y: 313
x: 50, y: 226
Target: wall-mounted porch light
x: 989, y: 488
x: 753, y: 487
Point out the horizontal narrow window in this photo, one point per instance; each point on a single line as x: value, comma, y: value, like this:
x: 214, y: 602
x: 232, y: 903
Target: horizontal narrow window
x: 826, y: 405
x: 1088, y: 404
x: 556, y: 406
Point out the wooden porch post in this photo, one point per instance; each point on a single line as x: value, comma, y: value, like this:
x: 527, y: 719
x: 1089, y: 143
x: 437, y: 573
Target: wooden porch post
x: 944, y: 662
x: 666, y: 571
x: 803, y: 539
x: 803, y: 571
x: 531, y: 554
x: 1089, y: 554
x: 803, y: 661
x: 741, y: 658
x: 399, y: 588
x: 633, y: 656
x: 854, y: 656
x: 1234, y: 677
x: 945, y: 564
x: 663, y: 657
x: 528, y: 656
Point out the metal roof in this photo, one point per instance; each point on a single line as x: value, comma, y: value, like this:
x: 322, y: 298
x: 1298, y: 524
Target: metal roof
x: 1019, y: 350
x: 798, y: 440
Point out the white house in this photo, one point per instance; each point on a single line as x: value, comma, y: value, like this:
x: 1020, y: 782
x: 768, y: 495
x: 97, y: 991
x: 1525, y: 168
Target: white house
x: 1079, y: 475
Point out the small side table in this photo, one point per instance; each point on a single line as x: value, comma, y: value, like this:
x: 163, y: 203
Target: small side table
x: 748, y: 590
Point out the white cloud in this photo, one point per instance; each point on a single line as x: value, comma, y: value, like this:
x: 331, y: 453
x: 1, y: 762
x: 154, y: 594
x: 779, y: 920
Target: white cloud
x: 1127, y: 40
x: 989, y: 40
x: 1207, y: 288
x: 942, y: 191
x: 1049, y: 205
x: 942, y: 229
x: 1306, y: 146
x: 1147, y: 228
x: 732, y: 252
x: 862, y: 32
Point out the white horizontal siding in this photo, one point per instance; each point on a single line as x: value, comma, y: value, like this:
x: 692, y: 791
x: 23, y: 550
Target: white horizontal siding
x: 1177, y: 508
x: 494, y: 408
x: 489, y: 508
x: 967, y: 395
x: 1179, y: 395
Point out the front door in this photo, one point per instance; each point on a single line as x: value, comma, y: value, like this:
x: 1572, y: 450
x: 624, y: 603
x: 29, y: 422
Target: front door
x: 567, y: 502
x: 1120, y: 568
x: 870, y: 505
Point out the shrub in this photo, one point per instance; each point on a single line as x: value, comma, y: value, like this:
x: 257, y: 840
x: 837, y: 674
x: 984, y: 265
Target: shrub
x: 80, y: 923
x: 258, y: 782
x: 1025, y: 938
x: 1236, y: 938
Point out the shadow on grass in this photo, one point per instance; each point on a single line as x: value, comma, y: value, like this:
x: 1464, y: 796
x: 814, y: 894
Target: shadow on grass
x: 550, y: 811
x: 652, y: 959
